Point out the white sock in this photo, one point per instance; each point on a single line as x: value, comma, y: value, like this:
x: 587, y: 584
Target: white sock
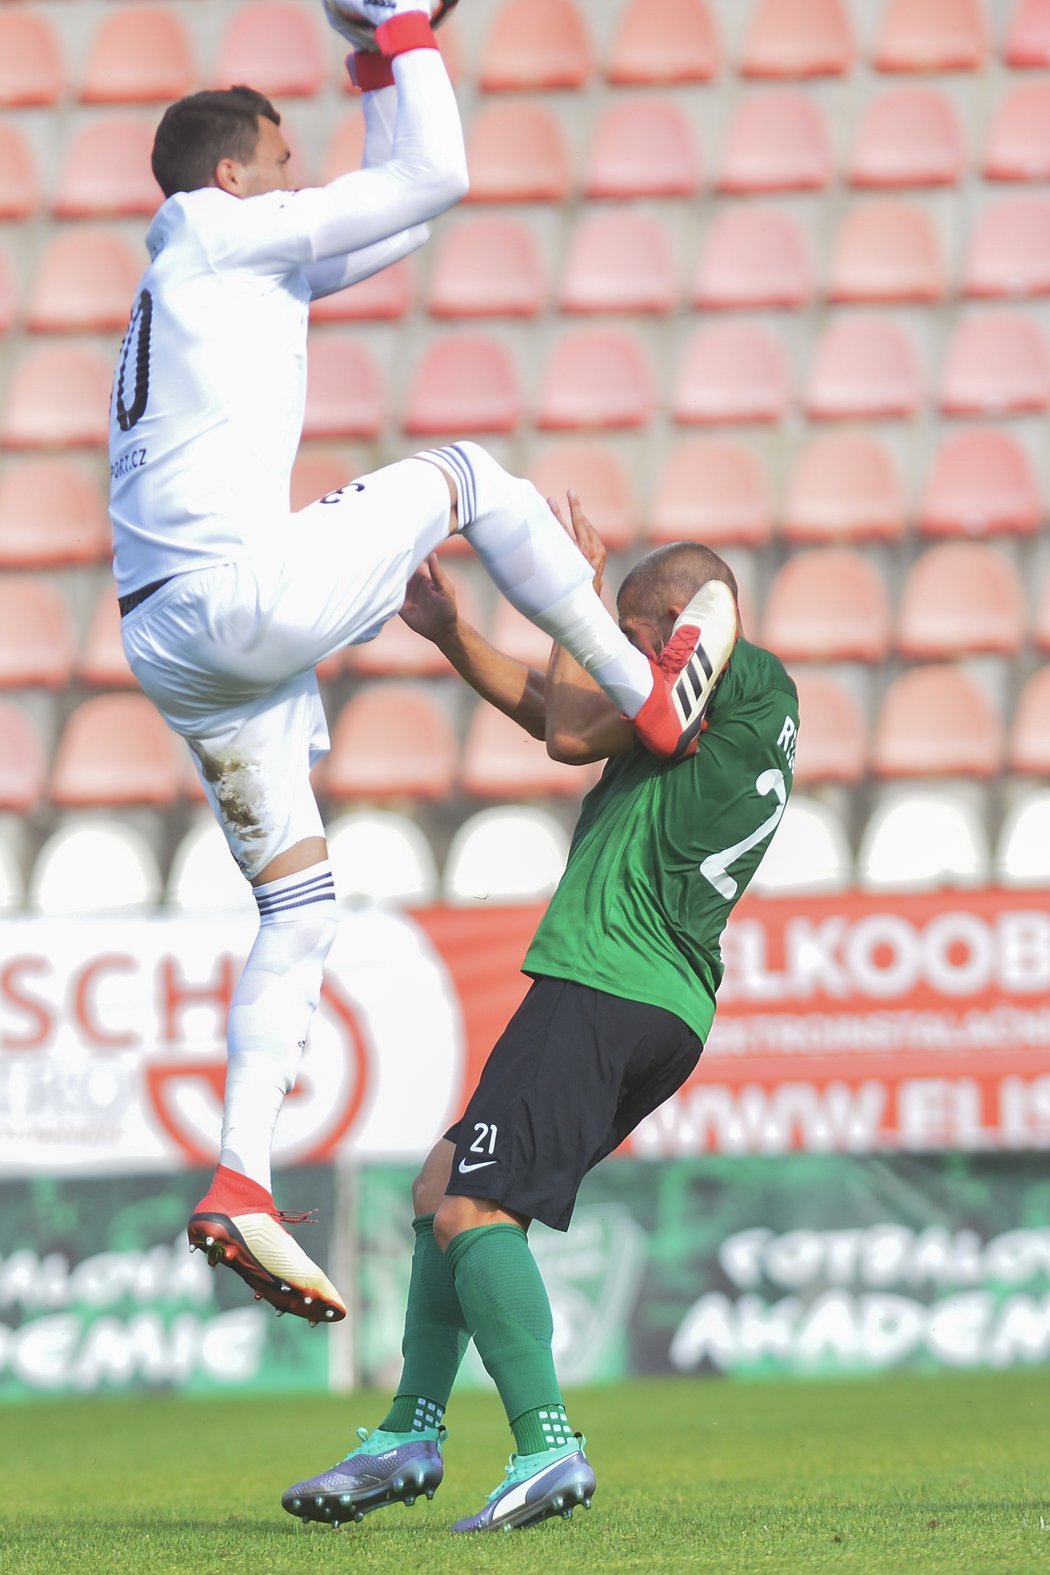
x: 541, y: 571
x: 275, y: 999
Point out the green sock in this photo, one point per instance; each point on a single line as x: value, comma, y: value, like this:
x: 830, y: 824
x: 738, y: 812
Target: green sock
x: 434, y: 1341
x: 508, y: 1313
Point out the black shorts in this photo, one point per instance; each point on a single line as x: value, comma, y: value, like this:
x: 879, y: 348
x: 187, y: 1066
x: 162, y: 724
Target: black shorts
x: 574, y: 1071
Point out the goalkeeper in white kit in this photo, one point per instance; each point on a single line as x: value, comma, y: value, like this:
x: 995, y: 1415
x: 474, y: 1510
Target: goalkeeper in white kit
x: 229, y: 600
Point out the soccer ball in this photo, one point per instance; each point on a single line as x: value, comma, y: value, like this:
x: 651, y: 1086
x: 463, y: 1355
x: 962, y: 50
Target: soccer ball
x: 348, y: 18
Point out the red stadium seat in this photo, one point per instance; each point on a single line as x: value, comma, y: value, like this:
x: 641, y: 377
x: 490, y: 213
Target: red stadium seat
x: 19, y: 190
x: 960, y: 598
x: 1009, y: 251
x: 464, y: 383
x: 501, y: 760
x: 776, y: 142
x: 116, y: 750
x: 277, y: 47
x: 1028, y: 41
x: 604, y: 484
x: 392, y: 740
x: 936, y: 721
x: 828, y: 605
x: 52, y: 513
x: 102, y: 662
x: 31, y: 69
x: 995, y: 363
x: 909, y: 137
x: 675, y: 42
x: 1019, y: 141
x: 798, y: 38
x: 316, y: 472
x: 36, y: 634
x: 833, y: 741
x: 981, y: 483
x: 845, y: 487
x: 23, y: 763
x: 865, y: 368
x: 345, y: 146
x: 932, y: 35
x: 345, y: 393
x: 8, y: 292
x: 753, y: 257
x: 85, y: 281
x: 536, y: 44
x: 887, y: 251
x: 732, y: 371
x: 398, y: 651
x: 107, y: 172
x: 643, y: 147
x: 141, y: 54
x: 619, y: 260
x: 58, y: 396
x: 597, y: 378
x: 712, y: 490
x: 488, y: 266
x: 517, y: 152
x: 385, y: 297
x: 1028, y: 748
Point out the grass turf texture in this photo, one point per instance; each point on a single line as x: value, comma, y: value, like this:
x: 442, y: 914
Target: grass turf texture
x: 903, y: 1474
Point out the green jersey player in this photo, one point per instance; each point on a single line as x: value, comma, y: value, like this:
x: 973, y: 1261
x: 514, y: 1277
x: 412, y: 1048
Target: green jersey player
x: 625, y: 965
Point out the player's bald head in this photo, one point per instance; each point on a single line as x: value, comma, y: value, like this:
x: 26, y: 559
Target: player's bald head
x: 199, y: 130
x: 672, y: 575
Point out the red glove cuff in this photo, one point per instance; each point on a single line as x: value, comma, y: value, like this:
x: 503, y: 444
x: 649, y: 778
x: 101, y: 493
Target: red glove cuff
x: 410, y: 30
x: 369, y: 70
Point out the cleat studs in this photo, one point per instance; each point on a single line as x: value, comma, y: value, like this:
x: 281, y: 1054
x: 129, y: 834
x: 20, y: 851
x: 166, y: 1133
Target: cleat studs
x: 209, y: 1241
x: 586, y: 1503
x: 410, y: 1500
x: 566, y: 1514
x: 258, y: 1296
x: 335, y: 1525
x: 279, y: 1312
x: 397, y: 1484
x: 329, y: 1312
x: 307, y: 1301
x: 286, y: 1287
x: 359, y: 1515
x: 344, y: 1498
x: 430, y: 1493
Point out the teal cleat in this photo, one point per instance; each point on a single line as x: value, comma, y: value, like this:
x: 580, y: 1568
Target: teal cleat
x: 387, y: 1468
x: 537, y: 1487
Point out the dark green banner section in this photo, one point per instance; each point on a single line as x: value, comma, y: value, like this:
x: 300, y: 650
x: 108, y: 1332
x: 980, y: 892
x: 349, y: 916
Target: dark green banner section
x: 751, y: 1267
x: 99, y: 1293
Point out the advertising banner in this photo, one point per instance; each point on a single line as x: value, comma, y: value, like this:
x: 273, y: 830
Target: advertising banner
x: 99, y: 1294
x: 846, y: 1024
x: 804, y: 1265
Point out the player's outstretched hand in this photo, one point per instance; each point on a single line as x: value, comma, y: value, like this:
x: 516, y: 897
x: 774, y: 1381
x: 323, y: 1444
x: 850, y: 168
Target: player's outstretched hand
x: 429, y: 606
x: 583, y: 533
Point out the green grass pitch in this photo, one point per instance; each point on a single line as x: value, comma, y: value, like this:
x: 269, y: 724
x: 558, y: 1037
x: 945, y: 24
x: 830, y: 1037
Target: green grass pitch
x: 904, y: 1474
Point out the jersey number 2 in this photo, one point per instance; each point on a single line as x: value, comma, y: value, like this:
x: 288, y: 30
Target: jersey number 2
x: 714, y: 867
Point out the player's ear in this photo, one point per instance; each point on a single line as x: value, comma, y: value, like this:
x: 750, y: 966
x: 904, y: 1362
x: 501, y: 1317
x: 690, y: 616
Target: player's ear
x: 229, y: 176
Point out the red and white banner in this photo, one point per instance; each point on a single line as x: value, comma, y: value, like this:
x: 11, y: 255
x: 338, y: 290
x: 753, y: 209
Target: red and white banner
x: 850, y: 1023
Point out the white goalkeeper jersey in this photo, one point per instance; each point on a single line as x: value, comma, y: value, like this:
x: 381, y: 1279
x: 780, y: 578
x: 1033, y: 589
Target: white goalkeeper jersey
x: 210, y: 385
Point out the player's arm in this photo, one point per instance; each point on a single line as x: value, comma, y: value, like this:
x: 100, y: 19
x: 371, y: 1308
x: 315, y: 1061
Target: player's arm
x: 583, y: 724
x: 426, y: 170
x: 379, y: 104
x: 512, y: 687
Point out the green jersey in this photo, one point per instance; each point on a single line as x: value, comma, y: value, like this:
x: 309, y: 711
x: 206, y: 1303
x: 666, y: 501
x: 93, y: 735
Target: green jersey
x: 663, y: 849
